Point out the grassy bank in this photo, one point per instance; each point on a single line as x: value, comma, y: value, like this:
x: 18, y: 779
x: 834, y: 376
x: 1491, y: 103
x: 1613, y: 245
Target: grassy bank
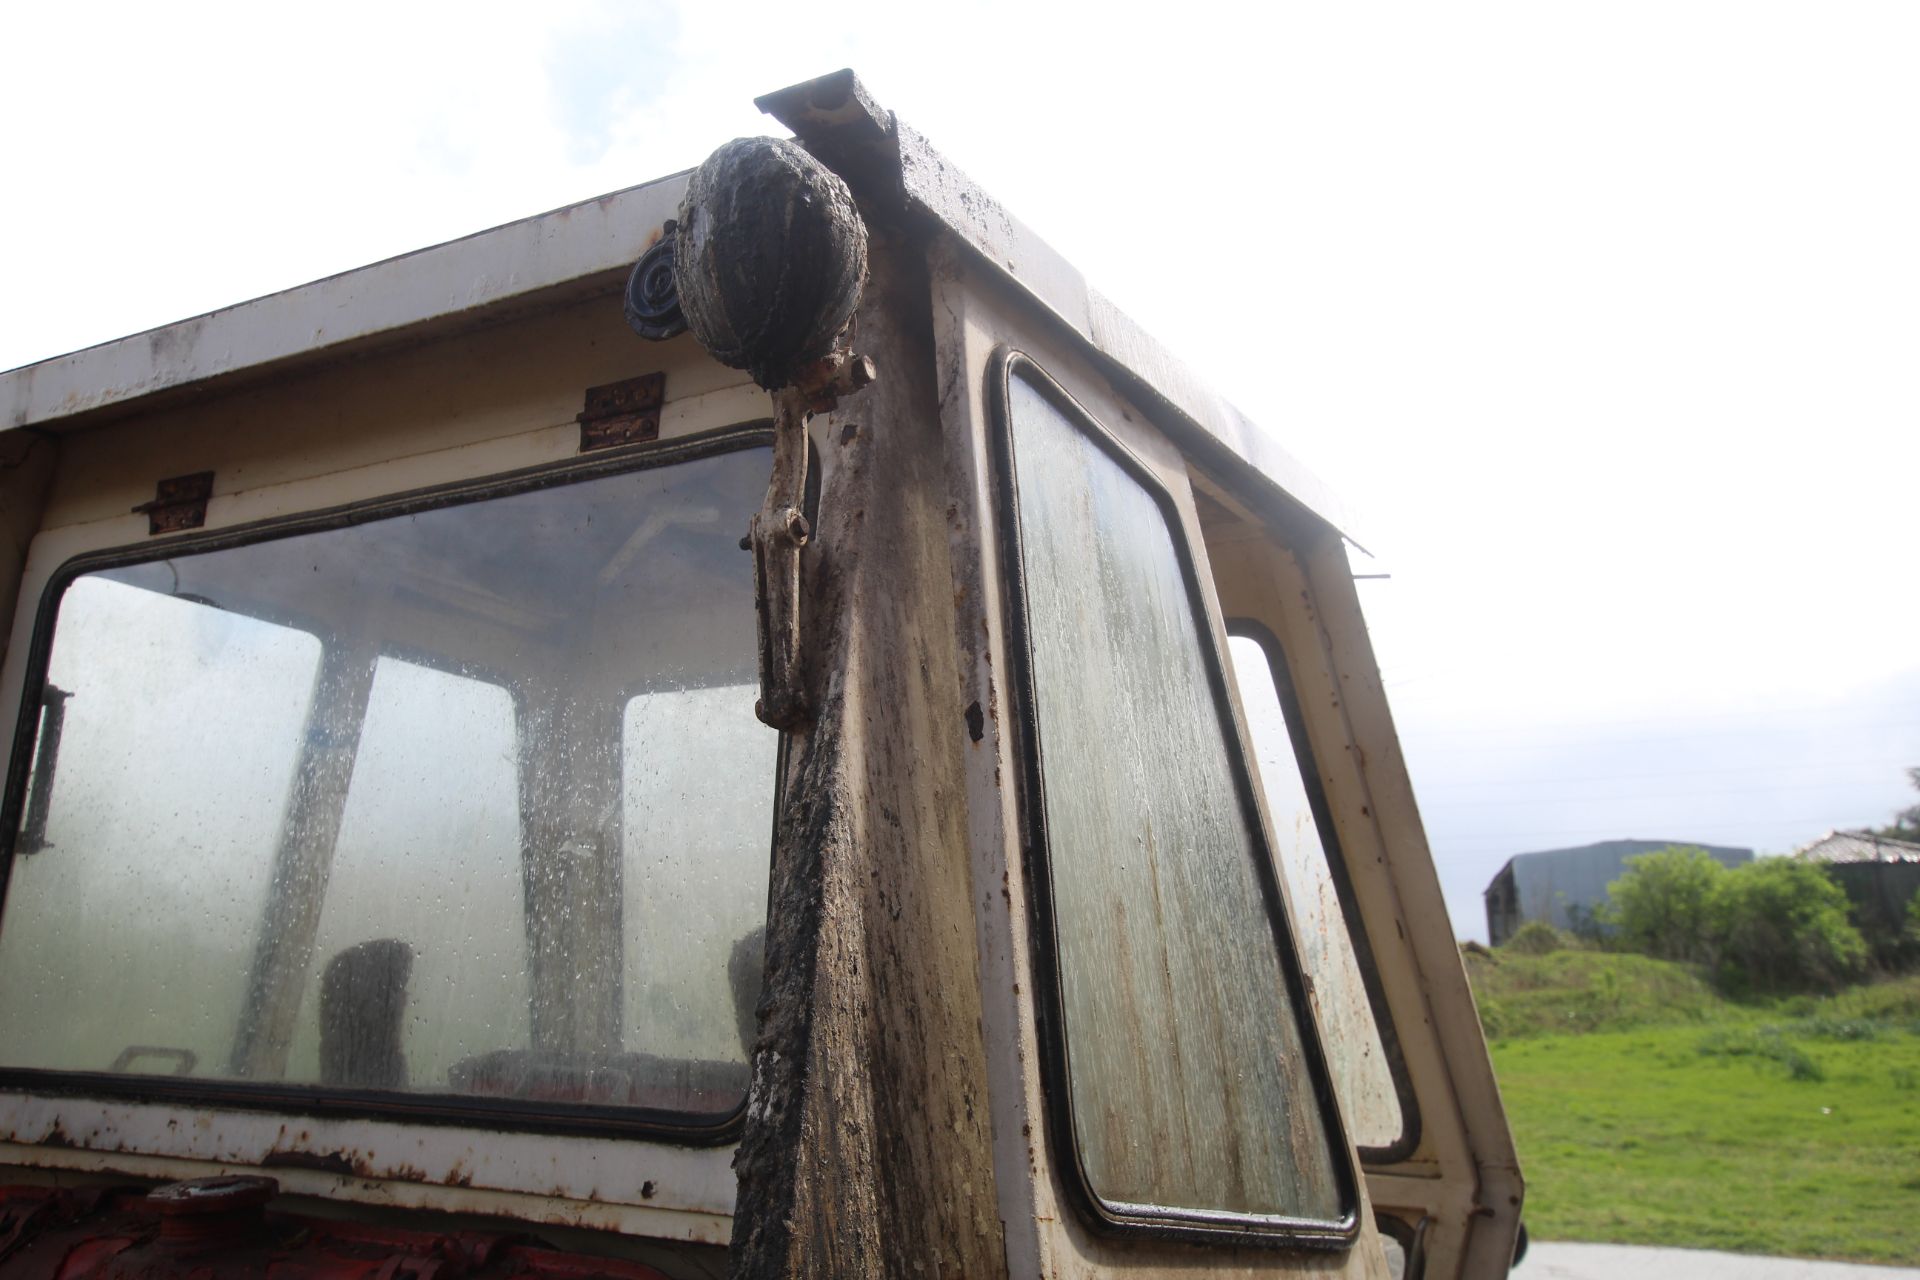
x: 1649, y: 1110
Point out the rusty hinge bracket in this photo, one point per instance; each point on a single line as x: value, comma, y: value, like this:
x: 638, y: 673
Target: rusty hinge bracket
x: 179, y: 502
x: 623, y: 412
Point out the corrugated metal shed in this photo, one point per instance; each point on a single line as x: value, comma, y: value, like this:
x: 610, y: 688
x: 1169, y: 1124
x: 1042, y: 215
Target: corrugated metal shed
x: 1880, y: 877
x: 1858, y: 846
x: 1563, y: 886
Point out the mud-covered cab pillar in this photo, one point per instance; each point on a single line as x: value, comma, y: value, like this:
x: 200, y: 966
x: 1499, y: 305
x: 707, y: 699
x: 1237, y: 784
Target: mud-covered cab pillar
x: 866, y: 1149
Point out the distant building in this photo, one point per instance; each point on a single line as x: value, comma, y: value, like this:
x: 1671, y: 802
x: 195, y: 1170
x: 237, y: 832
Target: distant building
x: 1858, y: 846
x: 1880, y: 876
x: 1563, y: 886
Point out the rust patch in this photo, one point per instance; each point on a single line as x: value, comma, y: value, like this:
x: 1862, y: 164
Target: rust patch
x: 620, y: 413
x: 332, y: 1162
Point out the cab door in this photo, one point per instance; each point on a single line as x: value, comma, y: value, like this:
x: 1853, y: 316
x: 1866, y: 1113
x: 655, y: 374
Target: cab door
x: 1218, y: 1044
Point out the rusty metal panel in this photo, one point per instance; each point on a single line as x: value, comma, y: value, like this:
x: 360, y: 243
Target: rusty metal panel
x: 645, y: 1187
x: 213, y: 1228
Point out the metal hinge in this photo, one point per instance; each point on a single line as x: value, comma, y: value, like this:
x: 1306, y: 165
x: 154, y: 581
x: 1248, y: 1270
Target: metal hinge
x: 179, y: 502
x: 623, y: 412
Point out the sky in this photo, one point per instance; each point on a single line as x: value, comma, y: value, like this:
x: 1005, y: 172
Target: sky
x: 1603, y: 317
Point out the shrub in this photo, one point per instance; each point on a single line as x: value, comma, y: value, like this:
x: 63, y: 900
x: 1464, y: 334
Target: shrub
x: 1781, y: 925
x: 1764, y: 1044
x: 1661, y: 907
x: 1896, y: 1004
x: 1825, y: 1026
x: 1537, y: 938
x: 1770, y: 927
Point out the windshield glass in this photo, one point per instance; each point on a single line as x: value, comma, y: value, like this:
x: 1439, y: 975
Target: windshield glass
x: 465, y: 801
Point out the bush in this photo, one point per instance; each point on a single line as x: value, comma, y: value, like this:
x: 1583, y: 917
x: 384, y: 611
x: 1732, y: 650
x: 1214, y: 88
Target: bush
x: 1537, y: 938
x: 1781, y: 925
x: 1764, y: 1044
x: 1767, y: 928
x: 1896, y: 1004
x: 1660, y: 908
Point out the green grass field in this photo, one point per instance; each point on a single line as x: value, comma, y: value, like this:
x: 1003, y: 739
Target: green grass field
x: 1650, y: 1111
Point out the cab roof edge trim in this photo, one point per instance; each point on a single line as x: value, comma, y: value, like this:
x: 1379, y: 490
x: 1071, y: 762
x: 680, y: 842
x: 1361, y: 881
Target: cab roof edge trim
x: 459, y: 277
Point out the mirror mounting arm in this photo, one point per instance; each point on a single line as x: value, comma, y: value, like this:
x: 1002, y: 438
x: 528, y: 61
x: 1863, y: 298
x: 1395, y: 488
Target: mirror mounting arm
x: 780, y: 531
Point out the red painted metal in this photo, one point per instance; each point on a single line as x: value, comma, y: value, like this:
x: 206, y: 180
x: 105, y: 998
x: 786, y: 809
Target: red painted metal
x: 221, y: 1229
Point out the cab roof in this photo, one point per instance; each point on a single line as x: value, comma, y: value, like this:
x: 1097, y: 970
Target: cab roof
x: 585, y: 248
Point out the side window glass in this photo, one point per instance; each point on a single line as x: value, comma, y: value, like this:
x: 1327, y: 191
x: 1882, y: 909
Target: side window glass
x: 1365, y: 1062
x: 696, y: 822
x: 424, y: 910
x: 461, y: 798
x: 182, y: 729
x: 1193, y: 1084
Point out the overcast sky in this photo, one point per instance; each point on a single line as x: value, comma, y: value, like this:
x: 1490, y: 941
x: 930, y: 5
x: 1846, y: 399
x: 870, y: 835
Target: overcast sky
x: 1606, y: 318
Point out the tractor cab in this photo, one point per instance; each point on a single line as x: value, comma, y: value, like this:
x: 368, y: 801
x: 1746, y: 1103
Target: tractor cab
x: 753, y: 726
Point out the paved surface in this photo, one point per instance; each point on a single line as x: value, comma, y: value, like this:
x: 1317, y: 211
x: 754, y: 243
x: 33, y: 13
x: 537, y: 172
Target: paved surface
x: 1548, y: 1260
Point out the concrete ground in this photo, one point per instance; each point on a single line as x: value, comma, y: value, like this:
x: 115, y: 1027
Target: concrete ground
x: 1550, y: 1260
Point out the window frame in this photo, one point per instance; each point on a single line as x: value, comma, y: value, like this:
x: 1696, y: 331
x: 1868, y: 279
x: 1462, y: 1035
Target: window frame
x: 679, y: 1128
x: 1281, y: 677
x: 1196, y: 1226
